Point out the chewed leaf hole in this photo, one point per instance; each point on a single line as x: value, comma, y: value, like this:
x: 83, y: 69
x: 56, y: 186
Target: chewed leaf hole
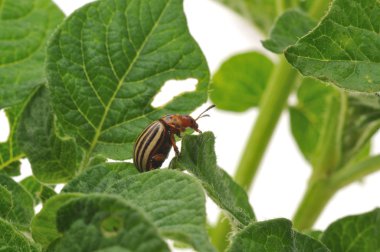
x: 112, y: 226
x: 172, y: 88
x: 4, y: 126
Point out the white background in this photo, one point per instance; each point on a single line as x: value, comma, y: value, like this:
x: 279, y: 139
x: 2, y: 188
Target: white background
x: 283, y: 175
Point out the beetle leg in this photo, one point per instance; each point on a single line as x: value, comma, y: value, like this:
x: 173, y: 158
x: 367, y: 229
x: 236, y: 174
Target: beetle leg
x: 178, y: 134
x: 173, y: 144
x: 198, y: 130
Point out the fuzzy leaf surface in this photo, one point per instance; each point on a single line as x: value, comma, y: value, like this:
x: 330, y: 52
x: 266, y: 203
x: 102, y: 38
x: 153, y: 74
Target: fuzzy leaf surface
x: 10, y: 151
x: 289, y: 27
x: 354, y: 233
x: 198, y: 157
x: 53, y: 159
x: 240, y: 81
x: 44, y: 225
x: 102, y: 222
x: 173, y: 201
x: 25, y: 26
x: 274, y: 236
x: 6, y: 202
x: 39, y: 191
x: 344, y: 48
x: 22, y: 210
x: 100, y: 177
x: 13, y: 240
x: 108, y: 61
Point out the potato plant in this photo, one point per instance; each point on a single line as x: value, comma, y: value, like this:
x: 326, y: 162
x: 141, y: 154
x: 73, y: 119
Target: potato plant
x: 77, y: 92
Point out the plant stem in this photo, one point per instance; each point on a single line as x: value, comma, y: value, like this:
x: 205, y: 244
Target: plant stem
x: 272, y: 103
x: 347, y: 175
x: 314, y: 201
x: 282, y: 81
x: 319, y: 192
x: 218, y: 234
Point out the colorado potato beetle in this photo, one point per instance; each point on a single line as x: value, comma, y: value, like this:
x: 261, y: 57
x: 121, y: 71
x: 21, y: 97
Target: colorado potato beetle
x: 154, y: 143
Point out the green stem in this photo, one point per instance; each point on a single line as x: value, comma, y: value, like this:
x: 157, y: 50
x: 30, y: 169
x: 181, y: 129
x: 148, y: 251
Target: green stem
x: 280, y: 7
x: 349, y: 174
x: 319, y: 192
x: 218, y: 234
x: 272, y: 103
x: 276, y: 94
x: 314, y: 201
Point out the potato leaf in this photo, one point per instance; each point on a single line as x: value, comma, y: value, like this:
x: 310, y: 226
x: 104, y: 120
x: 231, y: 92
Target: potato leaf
x: 240, y: 81
x: 13, y: 240
x: 52, y: 158
x: 25, y: 26
x: 273, y: 236
x: 344, y: 48
x: 333, y: 124
x: 21, y: 211
x: 6, y: 202
x: 362, y: 122
x: 198, y: 157
x: 107, y: 62
x: 354, y: 233
x: 173, y: 201
x: 44, y: 225
x: 10, y: 151
x: 289, y: 27
x: 101, y: 221
x: 39, y: 191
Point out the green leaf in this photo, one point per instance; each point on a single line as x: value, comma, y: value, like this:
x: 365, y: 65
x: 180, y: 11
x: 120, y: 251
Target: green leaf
x: 344, y: 48
x: 10, y: 153
x: 315, y: 234
x: 22, y: 210
x: 240, y: 82
x: 12, y: 169
x: 289, y: 27
x: 25, y: 26
x: 99, y: 178
x: 102, y: 222
x: 261, y: 13
x: 44, y: 227
x: 274, y: 236
x: 12, y: 240
x: 39, y: 191
x: 317, y: 122
x: 336, y: 125
x: 53, y: 159
x: 107, y: 62
x: 354, y: 233
x: 6, y: 202
x: 198, y: 157
x: 362, y: 122
x: 172, y: 200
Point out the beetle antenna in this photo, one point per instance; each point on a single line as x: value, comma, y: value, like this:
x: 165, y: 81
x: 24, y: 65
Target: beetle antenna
x: 201, y: 114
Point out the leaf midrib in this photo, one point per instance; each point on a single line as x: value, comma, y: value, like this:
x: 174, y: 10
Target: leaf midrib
x: 120, y: 83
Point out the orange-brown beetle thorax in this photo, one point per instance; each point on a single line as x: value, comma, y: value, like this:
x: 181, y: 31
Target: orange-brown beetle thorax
x: 180, y: 122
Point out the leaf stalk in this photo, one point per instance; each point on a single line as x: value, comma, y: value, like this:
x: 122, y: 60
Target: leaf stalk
x: 274, y: 99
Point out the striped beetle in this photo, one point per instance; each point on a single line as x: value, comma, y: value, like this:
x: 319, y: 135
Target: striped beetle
x: 154, y: 143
